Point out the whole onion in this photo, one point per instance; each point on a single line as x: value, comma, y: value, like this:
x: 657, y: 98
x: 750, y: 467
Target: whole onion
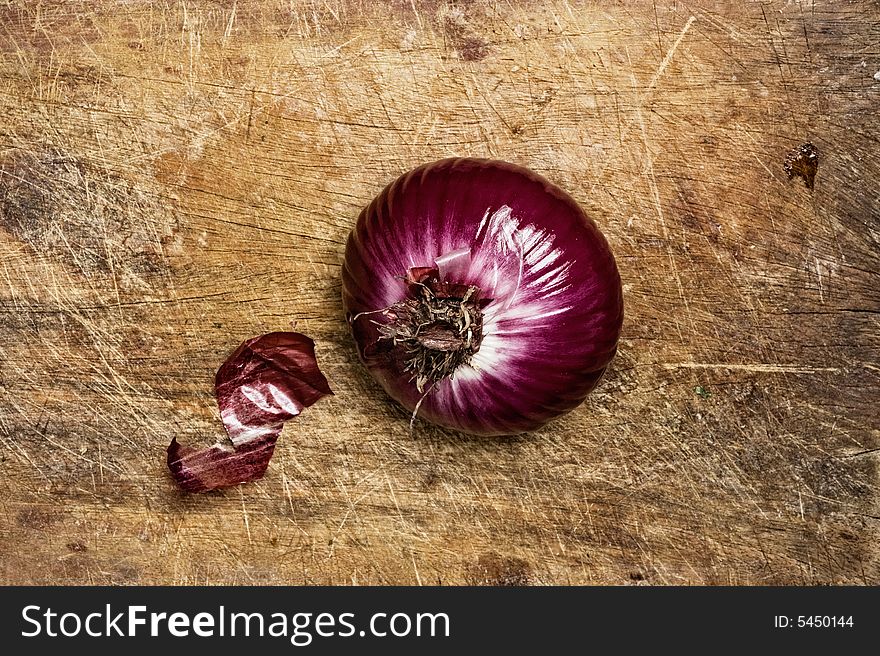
x: 481, y: 297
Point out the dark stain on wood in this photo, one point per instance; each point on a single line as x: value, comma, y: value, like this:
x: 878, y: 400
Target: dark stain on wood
x: 496, y: 570
x: 470, y: 46
x: 803, y: 162
x: 62, y: 206
x: 35, y: 519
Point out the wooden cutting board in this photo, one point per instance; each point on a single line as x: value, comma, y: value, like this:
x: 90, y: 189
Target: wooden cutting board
x: 178, y: 177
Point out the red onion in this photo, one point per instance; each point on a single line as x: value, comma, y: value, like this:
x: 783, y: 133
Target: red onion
x: 481, y: 297
x: 266, y: 381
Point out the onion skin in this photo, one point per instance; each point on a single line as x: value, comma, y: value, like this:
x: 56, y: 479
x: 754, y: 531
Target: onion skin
x: 556, y: 309
x: 266, y: 381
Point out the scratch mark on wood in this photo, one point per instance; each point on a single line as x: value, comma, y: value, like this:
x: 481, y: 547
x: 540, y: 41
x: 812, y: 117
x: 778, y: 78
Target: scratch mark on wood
x: 228, y: 32
x: 755, y: 367
x: 657, y: 25
x: 244, y: 514
x: 247, y: 135
x: 667, y: 59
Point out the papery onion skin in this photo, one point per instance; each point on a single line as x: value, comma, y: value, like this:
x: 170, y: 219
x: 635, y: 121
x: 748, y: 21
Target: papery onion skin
x: 556, y: 310
x: 267, y: 380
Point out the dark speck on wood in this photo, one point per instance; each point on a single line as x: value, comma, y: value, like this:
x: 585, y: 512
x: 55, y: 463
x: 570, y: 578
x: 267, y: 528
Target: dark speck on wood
x: 803, y: 161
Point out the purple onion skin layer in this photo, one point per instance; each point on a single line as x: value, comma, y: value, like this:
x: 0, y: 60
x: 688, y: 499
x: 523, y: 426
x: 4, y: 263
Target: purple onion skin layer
x: 556, y: 308
x: 266, y: 381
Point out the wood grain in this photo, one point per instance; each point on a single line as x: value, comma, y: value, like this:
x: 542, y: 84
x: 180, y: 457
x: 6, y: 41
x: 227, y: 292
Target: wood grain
x: 178, y: 177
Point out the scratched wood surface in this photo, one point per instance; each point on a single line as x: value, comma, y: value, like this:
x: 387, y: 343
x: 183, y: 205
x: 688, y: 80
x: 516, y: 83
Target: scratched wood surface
x: 178, y: 177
